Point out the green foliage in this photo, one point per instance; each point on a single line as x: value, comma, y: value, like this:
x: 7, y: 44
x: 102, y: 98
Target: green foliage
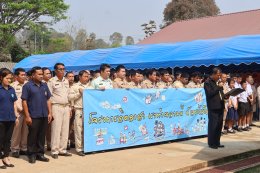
x: 116, y: 39
x: 59, y: 45
x: 101, y: 44
x: 187, y: 9
x: 16, y: 15
x: 17, y: 53
x: 129, y: 40
x: 149, y: 28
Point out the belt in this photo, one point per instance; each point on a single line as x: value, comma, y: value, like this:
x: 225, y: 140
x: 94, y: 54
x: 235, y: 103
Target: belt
x: 63, y: 105
x: 78, y: 108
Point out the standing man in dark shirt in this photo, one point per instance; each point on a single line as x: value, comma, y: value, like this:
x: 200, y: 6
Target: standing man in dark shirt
x: 37, y: 109
x: 215, y: 102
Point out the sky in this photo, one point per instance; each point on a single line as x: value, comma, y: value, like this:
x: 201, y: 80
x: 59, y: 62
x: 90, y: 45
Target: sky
x: 105, y: 17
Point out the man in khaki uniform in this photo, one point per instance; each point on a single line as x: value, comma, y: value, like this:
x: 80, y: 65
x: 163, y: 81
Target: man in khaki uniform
x: 70, y: 77
x: 182, y: 82
x: 103, y: 82
x: 135, y: 79
x: 59, y: 88
x: 120, y: 80
x: 150, y: 82
x: 194, y: 83
x: 75, y: 95
x: 223, y: 79
x: 20, y: 132
x: 164, y: 83
x: 71, y: 141
x: 46, y: 77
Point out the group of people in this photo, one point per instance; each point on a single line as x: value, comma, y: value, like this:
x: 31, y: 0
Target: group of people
x: 229, y: 113
x: 43, y: 108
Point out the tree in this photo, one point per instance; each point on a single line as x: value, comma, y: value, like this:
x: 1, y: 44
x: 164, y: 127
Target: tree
x: 116, y: 39
x: 17, y: 53
x: 90, y: 42
x: 16, y: 15
x: 101, y: 44
x: 149, y: 28
x: 80, y: 40
x: 177, y: 10
x: 129, y: 40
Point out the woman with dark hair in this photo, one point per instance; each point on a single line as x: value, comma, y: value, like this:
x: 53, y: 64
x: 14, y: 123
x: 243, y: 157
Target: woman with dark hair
x: 7, y: 116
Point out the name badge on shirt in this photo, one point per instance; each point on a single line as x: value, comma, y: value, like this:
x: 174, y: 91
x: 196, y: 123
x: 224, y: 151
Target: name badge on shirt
x: 45, y: 93
x: 12, y: 95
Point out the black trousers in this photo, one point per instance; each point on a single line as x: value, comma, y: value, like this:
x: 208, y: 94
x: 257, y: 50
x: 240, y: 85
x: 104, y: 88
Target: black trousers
x: 215, y: 126
x: 6, y: 131
x: 36, y: 136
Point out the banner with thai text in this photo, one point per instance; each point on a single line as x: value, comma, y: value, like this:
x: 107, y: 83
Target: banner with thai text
x: 120, y: 118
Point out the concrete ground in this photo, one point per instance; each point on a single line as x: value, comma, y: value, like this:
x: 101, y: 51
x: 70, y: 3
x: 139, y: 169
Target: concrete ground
x: 170, y: 157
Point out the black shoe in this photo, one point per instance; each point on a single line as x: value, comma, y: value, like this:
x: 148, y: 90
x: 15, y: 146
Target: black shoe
x: 3, y: 167
x: 67, y: 154
x: 249, y: 128
x: 221, y: 146
x: 42, y: 158
x: 23, y: 152
x: 245, y: 129
x: 224, y: 132
x: 32, y: 159
x: 213, y: 147
x: 81, y: 153
x: 8, y: 165
x: 16, y: 154
x: 231, y: 131
x: 55, y: 156
x: 239, y: 130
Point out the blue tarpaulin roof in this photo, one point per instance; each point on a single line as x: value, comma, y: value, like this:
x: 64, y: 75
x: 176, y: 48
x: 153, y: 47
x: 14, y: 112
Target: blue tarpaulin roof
x: 234, y: 50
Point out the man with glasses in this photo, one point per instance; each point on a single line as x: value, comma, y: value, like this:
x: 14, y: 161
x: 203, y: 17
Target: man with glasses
x: 59, y: 88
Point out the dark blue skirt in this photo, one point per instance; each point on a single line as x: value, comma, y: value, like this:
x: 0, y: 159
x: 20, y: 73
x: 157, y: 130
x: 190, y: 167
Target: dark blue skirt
x: 232, y: 114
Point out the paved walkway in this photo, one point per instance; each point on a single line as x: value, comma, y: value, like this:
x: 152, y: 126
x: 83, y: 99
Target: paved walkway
x: 171, y: 157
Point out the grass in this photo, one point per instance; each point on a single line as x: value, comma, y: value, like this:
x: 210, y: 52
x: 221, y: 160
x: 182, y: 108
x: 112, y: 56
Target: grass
x: 255, y: 169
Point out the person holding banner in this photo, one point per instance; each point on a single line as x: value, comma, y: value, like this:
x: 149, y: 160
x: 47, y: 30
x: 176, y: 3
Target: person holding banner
x: 75, y: 95
x: 215, y: 102
x: 150, y: 82
x: 164, y: 83
x: 135, y: 79
x: 194, y: 83
x: 120, y: 80
x: 103, y: 82
x: 182, y: 82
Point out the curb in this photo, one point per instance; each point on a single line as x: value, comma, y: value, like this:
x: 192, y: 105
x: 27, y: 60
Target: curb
x: 216, y: 162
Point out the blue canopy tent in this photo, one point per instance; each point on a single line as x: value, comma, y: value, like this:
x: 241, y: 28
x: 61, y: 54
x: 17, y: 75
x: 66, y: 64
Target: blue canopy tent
x: 234, y: 50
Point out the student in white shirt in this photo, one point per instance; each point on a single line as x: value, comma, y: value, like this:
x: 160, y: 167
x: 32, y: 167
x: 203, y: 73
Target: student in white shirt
x: 243, y: 108
x: 232, y: 115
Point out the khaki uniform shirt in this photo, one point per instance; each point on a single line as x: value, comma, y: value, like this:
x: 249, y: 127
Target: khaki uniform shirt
x: 119, y: 83
x: 163, y: 84
x: 18, y: 91
x: 192, y: 84
x: 134, y: 85
x: 75, y: 96
x: 178, y: 84
x: 59, y: 90
x: 148, y: 84
x: 99, y: 82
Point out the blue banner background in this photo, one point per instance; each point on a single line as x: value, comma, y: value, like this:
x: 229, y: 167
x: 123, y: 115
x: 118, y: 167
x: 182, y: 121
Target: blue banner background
x: 120, y: 118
